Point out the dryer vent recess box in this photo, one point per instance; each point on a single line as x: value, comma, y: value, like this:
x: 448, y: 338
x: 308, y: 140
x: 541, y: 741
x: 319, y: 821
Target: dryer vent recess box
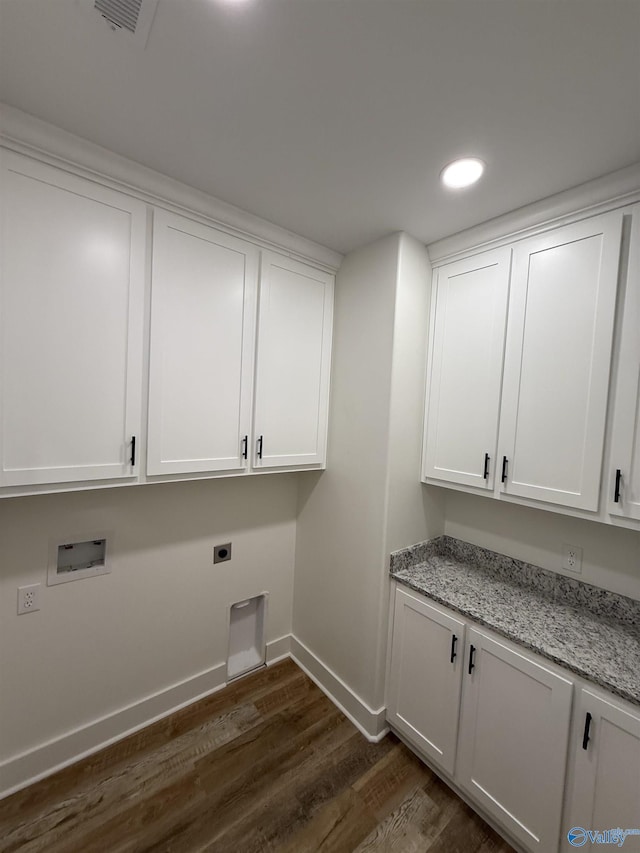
x: 70, y: 561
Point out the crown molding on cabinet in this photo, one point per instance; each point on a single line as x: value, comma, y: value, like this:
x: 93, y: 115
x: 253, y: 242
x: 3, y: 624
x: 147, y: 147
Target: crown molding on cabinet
x: 36, y: 138
x: 617, y: 189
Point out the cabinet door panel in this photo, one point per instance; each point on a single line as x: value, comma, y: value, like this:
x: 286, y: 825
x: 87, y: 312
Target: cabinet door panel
x: 513, y: 741
x: 557, y: 362
x: 293, y: 363
x: 605, y: 791
x: 72, y: 294
x: 424, y: 689
x: 202, y: 331
x: 625, y: 443
x: 465, y: 374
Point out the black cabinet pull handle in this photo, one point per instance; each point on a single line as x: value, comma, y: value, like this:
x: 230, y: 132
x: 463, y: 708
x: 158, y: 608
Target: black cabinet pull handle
x: 616, y: 494
x: 454, y: 641
x: 486, y: 466
x: 245, y: 446
x: 587, y: 727
x: 259, y: 448
x: 133, y: 451
x: 505, y: 463
x: 472, y: 655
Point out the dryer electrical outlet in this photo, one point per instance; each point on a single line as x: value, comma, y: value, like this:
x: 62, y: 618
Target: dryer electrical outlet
x: 222, y: 553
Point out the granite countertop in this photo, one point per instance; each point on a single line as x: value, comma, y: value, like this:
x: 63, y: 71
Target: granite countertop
x: 590, y: 631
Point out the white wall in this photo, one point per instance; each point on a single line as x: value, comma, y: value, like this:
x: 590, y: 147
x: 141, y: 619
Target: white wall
x: 414, y: 513
x: 410, y: 504
x: 367, y: 500
x: 100, y: 644
x: 341, y: 512
x: 611, y: 557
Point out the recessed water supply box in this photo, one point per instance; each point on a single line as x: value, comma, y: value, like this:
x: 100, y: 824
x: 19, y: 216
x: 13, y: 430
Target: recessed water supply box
x: 71, y: 560
x: 247, y: 646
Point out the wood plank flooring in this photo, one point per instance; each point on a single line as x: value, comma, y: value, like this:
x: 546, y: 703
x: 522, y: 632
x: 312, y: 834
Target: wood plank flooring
x: 268, y: 764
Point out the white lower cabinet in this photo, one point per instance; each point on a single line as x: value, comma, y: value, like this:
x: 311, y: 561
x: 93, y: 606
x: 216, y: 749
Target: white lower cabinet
x: 507, y: 713
x: 498, y: 721
x: 514, y: 730
x: 604, y: 779
x: 424, y: 689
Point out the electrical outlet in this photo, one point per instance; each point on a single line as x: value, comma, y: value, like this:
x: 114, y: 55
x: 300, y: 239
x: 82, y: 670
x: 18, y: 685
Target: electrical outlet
x: 222, y: 553
x: 28, y: 598
x: 572, y: 558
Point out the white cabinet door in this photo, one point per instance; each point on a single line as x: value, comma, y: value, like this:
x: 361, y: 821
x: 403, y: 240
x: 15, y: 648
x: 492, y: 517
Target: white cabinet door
x: 465, y: 373
x: 425, y: 677
x: 605, y: 790
x: 514, y: 732
x: 557, y: 362
x: 71, y: 327
x: 293, y: 364
x: 203, y: 293
x: 623, y: 485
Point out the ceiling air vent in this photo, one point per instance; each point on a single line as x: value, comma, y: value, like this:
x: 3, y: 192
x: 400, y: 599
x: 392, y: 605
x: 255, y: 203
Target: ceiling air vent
x: 130, y: 18
x: 120, y: 13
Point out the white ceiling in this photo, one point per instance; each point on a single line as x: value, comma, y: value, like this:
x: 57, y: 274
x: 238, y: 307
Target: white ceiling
x: 333, y: 118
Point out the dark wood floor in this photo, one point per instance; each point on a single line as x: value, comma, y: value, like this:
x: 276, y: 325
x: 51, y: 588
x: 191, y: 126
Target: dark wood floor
x: 266, y: 764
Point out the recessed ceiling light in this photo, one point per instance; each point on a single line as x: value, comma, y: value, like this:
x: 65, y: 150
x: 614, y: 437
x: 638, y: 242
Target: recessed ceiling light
x: 462, y: 173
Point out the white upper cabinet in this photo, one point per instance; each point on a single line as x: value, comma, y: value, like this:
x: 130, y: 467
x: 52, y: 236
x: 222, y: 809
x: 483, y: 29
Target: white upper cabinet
x: 557, y: 362
x: 521, y: 345
x: 230, y: 391
x: 203, y: 305
x: 623, y: 482
x: 71, y: 327
x: 293, y: 364
x: 468, y: 321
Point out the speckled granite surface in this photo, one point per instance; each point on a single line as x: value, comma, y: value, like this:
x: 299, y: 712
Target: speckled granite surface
x: 590, y: 631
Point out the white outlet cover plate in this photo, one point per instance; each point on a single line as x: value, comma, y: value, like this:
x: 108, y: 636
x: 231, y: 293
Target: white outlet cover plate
x: 572, y: 558
x: 28, y: 598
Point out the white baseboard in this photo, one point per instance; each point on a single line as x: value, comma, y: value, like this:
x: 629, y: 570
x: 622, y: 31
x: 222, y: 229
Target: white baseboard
x: 25, y: 768
x: 279, y: 649
x: 371, y: 723
x: 28, y: 767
